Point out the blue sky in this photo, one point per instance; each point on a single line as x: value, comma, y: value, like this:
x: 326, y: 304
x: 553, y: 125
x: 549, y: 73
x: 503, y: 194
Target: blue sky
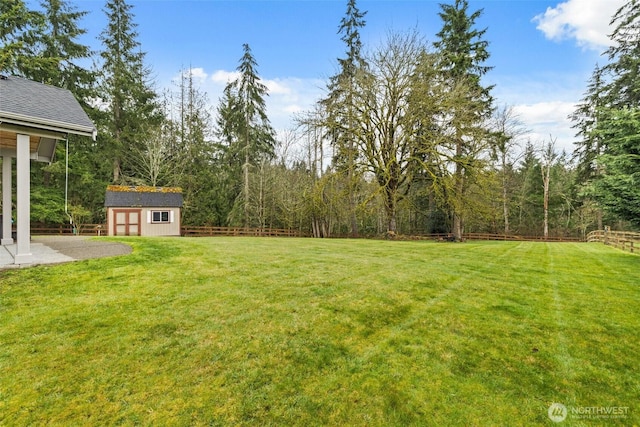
x: 542, y: 51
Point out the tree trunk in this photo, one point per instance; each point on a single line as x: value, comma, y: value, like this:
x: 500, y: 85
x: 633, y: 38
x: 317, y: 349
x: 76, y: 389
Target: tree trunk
x: 245, y: 172
x: 548, y: 158
x: 116, y: 171
x: 505, y: 201
x: 599, y: 218
x: 546, y: 172
x: 391, y: 210
x: 392, y: 225
x: 261, y: 209
x: 457, y: 230
x: 352, y: 206
x: 505, y: 210
x: 352, y: 185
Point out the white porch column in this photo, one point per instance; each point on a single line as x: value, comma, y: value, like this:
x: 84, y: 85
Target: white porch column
x: 23, y: 244
x: 6, y: 201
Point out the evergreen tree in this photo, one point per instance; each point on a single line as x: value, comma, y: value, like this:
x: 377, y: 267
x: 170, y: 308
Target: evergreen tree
x: 623, y: 69
x: 43, y: 46
x: 462, y: 53
x: 229, y: 124
x: 20, y: 30
x: 340, y: 104
x: 590, y: 145
x: 606, y: 116
x: 243, y: 125
x: 125, y: 89
x: 585, y: 118
x: 617, y: 188
x: 59, y: 42
x: 615, y: 85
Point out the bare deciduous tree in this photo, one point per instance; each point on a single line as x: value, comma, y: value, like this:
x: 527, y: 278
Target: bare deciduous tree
x: 549, y: 155
x: 508, y: 129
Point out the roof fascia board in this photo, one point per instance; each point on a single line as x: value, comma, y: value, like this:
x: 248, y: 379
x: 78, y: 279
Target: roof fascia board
x: 22, y: 120
x: 28, y: 130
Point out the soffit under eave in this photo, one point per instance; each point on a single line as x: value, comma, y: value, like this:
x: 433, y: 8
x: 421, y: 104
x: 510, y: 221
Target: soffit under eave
x: 41, y: 149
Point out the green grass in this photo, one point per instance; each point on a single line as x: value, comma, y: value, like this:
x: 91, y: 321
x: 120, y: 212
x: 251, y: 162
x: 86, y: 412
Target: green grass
x: 250, y: 331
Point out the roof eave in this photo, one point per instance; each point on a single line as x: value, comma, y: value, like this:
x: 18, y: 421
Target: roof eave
x: 51, y: 125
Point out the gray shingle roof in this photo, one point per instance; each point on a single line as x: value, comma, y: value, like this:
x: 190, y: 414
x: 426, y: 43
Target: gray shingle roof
x: 131, y: 199
x: 28, y: 103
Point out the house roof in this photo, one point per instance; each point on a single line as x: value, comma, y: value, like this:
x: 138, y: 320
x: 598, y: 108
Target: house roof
x: 141, y: 196
x: 29, y: 104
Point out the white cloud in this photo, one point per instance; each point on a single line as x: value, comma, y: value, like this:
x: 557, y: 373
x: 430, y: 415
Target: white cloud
x: 289, y: 96
x: 586, y: 21
x: 277, y: 87
x: 543, y: 103
x: 548, y: 120
x: 198, y: 73
x: 223, y: 77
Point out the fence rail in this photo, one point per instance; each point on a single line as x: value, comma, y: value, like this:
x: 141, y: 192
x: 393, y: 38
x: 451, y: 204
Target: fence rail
x: 625, y: 240
x: 191, y: 231
x: 68, y: 229
x: 487, y: 236
x: 204, y: 231
x: 501, y: 237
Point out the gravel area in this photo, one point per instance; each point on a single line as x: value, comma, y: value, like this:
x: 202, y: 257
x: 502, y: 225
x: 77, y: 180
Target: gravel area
x: 81, y: 247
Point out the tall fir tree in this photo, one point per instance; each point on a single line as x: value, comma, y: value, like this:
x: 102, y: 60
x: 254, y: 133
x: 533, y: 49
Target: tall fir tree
x: 125, y: 89
x: 617, y: 188
x: 585, y: 119
x: 607, y: 111
x: 243, y: 124
x: 228, y: 128
x: 20, y: 30
x: 462, y: 54
x: 60, y: 42
x: 615, y: 85
x: 623, y: 69
x: 43, y: 45
x: 340, y: 105
x: 589, y: 145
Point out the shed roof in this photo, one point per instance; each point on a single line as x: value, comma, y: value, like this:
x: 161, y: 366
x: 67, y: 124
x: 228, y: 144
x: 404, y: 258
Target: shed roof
x: 141, y: 196
x: 30, y: 104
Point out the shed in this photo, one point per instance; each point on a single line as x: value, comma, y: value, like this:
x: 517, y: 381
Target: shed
x: 143, y: 210
x: 33, y: 117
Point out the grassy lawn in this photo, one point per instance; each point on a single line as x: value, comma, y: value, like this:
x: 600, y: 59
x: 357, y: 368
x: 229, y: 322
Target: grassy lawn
x: 250, y: 331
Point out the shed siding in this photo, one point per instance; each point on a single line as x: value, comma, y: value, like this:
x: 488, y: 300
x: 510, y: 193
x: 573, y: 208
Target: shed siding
x: 160, y: 229
x: 147, y: 228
